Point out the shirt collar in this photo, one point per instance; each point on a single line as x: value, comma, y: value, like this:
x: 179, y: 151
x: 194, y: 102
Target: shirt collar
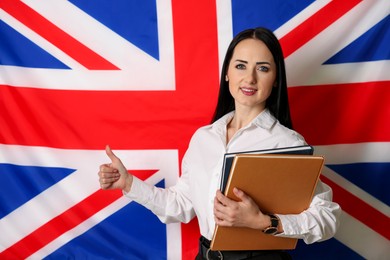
x: 264, y: 120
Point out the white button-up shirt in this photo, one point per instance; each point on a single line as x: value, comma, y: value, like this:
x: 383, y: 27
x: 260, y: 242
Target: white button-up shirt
x: 194, y: 193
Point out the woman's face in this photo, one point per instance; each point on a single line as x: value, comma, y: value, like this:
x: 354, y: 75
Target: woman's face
x: 251, y: 74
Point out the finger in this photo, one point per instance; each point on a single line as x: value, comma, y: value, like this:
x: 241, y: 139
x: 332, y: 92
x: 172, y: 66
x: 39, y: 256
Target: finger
x: 109, y: 175
x: 107, y: 168
x: 218, y: 206
x: 221, y: 219
x: 221, y: 212
x: 218, y: 221
x: 110, y: 153
x: 218, y: 215
x: 105, y: 186
x: 222, y: 198
x: 109, y: 179
x: 240, y: 195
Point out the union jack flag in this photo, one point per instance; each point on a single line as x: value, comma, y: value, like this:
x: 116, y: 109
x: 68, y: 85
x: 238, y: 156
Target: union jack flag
x: 142, y: 76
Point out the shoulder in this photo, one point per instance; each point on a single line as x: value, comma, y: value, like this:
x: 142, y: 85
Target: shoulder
x: 288, y: 135
x: 199, y: 146
x: 279, y: 132
x: 216, y: 129
x: 202, y: 133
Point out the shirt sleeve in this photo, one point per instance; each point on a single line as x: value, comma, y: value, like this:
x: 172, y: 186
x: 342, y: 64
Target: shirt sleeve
x: 319, y: 222
x: 170, y: 205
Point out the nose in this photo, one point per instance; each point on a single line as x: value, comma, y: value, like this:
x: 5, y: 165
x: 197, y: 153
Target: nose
x: 251, y: 77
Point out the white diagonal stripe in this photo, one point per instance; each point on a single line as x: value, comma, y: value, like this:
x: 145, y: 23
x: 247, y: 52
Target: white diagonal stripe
x: 362, y: 239
x: 304, y: 66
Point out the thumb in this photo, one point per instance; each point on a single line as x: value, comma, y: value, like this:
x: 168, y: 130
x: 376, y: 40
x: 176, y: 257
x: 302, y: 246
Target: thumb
x: 240, y: 194
x: 110, y: 154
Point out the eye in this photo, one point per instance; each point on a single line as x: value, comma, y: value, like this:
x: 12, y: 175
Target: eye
x: 263, y: 68
x: 240, y: 66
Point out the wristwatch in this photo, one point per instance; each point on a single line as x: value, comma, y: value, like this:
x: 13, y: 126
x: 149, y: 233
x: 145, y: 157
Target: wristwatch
x: 273, y: 229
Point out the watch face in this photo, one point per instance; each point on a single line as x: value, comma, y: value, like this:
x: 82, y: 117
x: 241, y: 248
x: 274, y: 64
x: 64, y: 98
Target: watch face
x: 271, y: 230
x: 274, y: 222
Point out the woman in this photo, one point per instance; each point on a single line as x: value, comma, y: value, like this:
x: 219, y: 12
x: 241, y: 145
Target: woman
x: 252, y: 114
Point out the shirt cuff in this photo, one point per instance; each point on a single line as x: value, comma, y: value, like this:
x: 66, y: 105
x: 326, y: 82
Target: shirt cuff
x: 138, y: 191
x: 292, y: 225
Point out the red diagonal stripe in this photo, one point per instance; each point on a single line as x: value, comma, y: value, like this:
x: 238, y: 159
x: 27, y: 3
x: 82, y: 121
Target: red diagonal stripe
x: 56, y: 36
x: 315, y: 24
x: 66, y: 221
x: 359, y: 209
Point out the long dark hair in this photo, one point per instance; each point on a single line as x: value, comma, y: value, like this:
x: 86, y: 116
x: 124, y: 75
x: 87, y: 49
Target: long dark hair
x: 277, y: 102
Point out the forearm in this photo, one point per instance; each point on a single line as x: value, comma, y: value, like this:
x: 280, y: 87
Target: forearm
x: 319, y: 222
x: 167, y: 204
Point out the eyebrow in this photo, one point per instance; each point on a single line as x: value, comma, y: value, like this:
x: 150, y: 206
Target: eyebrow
x: 257, y: 63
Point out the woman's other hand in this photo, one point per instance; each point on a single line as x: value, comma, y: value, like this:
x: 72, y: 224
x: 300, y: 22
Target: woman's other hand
x: 114, y: 175
x: 242, y: 213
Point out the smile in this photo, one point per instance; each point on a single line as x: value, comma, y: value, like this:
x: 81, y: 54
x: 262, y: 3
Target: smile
x: 248, y: 91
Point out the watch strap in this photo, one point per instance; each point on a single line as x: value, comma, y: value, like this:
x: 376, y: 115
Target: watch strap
x: 273, y: 228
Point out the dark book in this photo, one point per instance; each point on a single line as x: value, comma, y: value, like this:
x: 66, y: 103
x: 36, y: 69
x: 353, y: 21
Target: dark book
x: 229, y: 157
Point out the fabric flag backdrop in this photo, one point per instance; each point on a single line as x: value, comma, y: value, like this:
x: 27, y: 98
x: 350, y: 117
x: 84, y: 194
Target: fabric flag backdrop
x: 142, y: 76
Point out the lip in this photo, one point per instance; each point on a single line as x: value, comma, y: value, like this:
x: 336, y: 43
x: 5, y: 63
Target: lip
x: 248, y: 91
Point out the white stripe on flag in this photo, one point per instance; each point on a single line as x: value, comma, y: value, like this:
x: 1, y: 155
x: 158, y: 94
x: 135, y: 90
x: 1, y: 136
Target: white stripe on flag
x: 350, y: 154
x: 363, y: 240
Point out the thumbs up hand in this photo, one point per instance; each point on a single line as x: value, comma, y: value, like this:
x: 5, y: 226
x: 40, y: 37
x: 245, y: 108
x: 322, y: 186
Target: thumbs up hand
x: 114, y: 175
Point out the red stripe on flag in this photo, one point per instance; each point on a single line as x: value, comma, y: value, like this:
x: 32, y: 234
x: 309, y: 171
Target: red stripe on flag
x: 56, y: 36
x: 360, y: 210
x: 307, y: 30
x: 197, y: 83
x: 66, y: 221
x: 342, y: 113
x: 91, y: 120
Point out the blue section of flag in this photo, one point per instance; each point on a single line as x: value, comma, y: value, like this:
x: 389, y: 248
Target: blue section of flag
x: 17, y: 50
x: 329, y: 249
x: 136, y: 21
x: 132, y: 232
x: 374, y: 178
x: 371, y: 46
x: 270, y: 14
x: 19, y: 184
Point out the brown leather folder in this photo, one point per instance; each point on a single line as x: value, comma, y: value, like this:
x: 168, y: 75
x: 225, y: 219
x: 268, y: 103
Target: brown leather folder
x: 281, y: 184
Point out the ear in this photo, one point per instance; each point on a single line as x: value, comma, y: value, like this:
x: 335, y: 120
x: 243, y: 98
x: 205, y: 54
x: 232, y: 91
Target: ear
x: 226, y: 78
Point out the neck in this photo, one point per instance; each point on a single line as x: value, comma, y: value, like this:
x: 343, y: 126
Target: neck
x: 244, y: 116
x: 239, y: 120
